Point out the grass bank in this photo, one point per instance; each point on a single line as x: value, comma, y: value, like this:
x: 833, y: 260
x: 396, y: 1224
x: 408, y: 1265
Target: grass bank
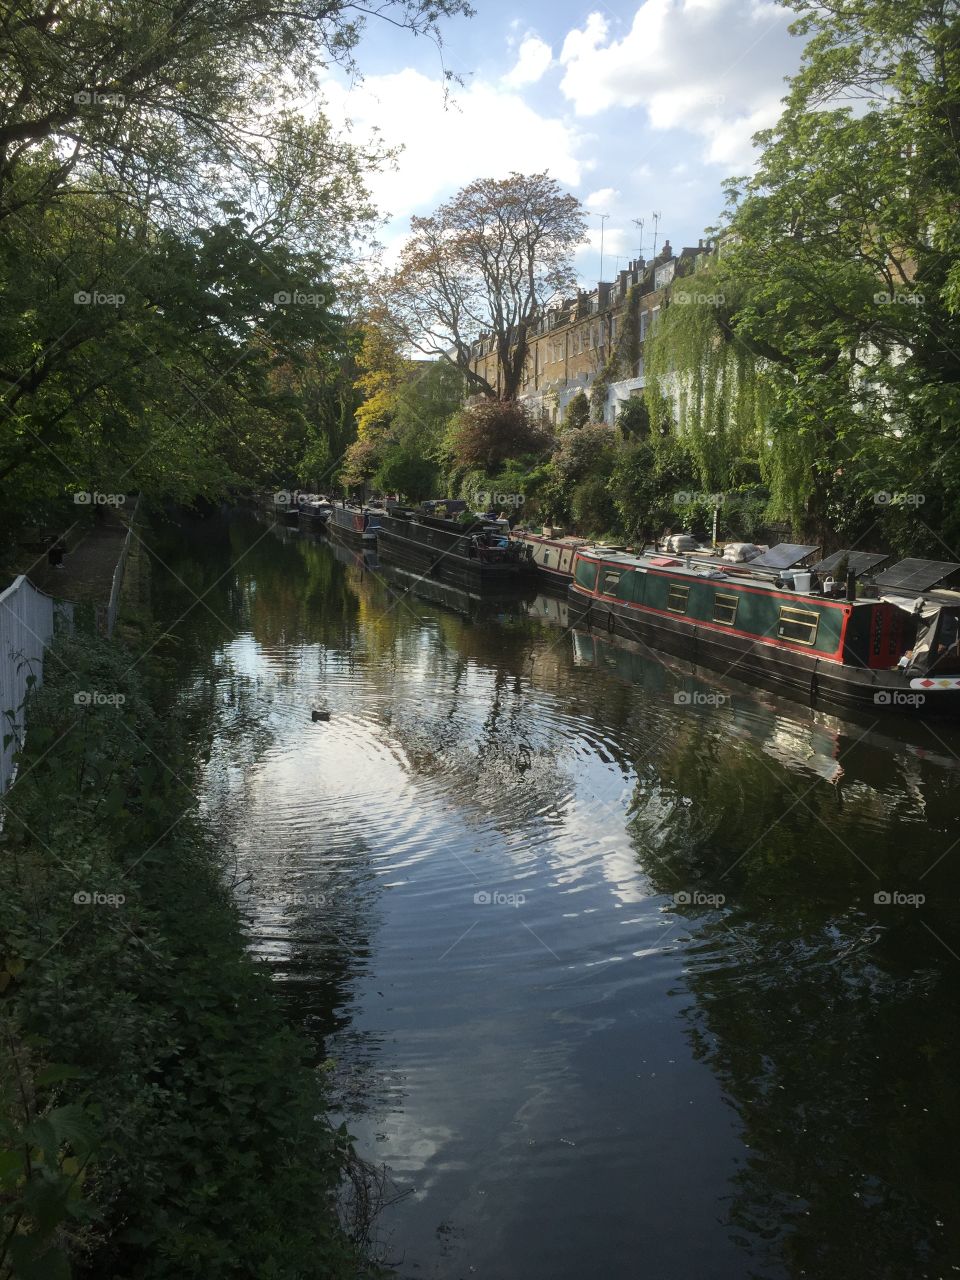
x: 158, y: 1119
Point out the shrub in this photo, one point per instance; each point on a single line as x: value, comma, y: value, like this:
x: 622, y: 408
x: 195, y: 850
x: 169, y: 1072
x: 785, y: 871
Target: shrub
x: 485, y: 435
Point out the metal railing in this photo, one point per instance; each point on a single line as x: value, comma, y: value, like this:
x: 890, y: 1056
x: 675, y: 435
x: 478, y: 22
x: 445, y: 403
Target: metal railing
x: 28, y: 619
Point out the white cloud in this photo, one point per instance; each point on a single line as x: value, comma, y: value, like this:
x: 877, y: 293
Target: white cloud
x: 598, y: 200
x: 485, y: 133
x: 714, y: 67
x: 617, y: 242
x: 533, y: 58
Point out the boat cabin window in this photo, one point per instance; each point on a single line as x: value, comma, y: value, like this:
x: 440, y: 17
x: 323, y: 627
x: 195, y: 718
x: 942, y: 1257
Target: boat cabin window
x: 611, y: 580
x: 725, y: 607
x: 798, y: 625
x: 677, y: 597
x: 586, y: 574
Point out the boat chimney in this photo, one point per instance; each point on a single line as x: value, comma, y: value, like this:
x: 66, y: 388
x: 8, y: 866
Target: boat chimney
x: 851, y: 585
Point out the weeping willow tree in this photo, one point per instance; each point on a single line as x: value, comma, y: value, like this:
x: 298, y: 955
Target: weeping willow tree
x: 714, y: 384
x: 730, y: 407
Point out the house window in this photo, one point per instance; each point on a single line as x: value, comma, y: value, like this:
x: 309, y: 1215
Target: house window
x: 725, y: 607
x: 798, y: 625
x: 677, y: 598
x: 613, y: 328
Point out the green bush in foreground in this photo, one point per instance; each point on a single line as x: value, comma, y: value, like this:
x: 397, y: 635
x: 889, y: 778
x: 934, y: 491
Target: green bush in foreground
x: 157, y: 1117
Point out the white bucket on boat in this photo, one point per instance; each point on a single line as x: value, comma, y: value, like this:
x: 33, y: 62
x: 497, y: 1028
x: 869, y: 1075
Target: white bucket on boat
x: 801, y: 581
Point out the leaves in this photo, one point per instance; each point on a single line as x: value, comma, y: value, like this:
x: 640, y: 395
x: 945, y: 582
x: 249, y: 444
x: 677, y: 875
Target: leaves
x: 485, y: 264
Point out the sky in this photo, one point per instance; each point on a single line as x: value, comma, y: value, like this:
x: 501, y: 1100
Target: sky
x: 637, y: 110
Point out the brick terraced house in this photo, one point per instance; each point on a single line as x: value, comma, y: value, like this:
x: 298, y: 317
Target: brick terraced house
x: 597, y: 336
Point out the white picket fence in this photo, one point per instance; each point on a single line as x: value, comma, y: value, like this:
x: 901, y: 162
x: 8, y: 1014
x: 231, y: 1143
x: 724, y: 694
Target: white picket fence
x: 27, y: 621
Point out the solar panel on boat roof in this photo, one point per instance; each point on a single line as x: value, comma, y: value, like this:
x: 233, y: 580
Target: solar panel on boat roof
x: 915, y: 575
x: 783, y: 556
x: 857, y: 561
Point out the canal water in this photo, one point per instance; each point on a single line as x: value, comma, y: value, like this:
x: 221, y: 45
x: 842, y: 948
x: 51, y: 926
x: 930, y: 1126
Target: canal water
x: 620, y: 969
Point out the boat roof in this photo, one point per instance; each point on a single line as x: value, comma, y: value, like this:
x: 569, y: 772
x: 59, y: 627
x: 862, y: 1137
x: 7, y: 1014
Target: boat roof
x: 709, y: 566
x: 705, y: 569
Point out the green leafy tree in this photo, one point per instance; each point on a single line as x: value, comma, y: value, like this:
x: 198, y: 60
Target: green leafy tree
x: 578, y: 411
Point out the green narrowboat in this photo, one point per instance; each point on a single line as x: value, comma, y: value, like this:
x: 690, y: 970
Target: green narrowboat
x: 890, y: 652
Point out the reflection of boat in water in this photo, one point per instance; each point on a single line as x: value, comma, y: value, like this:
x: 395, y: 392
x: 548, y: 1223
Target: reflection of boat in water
x: 699, y: 689
x: 553, y: 609
x: 458, y: 599
x: 476, y: 555
x: 356, y: 525
x: 892, y: 652
x: 363, y: 557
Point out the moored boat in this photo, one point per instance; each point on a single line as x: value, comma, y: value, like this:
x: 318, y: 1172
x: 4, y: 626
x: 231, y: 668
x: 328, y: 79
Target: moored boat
x: 476, y: 555
x: 551, y: 556
x: 894, y: 650
x: 356, y: 525
x: 315, y: 513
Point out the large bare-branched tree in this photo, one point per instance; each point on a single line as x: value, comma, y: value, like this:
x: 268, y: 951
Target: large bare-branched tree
x: 485, y: 263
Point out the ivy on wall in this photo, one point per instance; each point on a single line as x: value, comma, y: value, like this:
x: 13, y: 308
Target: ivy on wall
x: 623, y: 357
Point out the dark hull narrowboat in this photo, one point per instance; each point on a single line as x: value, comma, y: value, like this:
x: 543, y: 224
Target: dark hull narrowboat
x: 871, y: 654
x: 357, y: 526
x: 467, y: 556
x: 314, y: 515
